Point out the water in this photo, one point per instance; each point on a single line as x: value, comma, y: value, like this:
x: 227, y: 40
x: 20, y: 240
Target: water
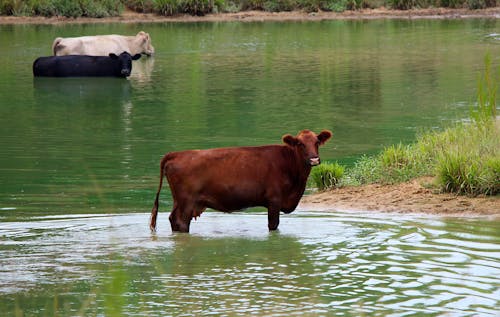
x: 79, y: 169
x: 79, y: 145
x: 318, y: 264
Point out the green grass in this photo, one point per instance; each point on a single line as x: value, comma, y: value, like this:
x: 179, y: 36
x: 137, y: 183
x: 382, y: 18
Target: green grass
x: 104, y: 8
x: 67, y: 8
x: 327, y: 175
x: 471, y: 162
x: 464, y: 158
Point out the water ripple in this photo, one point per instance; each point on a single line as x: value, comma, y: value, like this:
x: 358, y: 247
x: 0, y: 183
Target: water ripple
x: 318, y: 264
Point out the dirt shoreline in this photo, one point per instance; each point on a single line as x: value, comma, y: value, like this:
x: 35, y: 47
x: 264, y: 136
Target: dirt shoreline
x: 255, y: 16
x: 411, y: 197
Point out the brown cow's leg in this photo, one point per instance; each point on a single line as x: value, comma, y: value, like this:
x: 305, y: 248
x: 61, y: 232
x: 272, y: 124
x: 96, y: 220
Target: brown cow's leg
x: 172, y: 217
x: 180, y: 219
x: 273, y: 218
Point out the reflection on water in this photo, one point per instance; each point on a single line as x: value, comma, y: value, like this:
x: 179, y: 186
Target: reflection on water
x: 317, y: 264
x: 142, y: 70
x: 47, y: 89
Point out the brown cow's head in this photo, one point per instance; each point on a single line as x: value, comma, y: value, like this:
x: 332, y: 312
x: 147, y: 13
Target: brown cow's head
x: 306, y: 143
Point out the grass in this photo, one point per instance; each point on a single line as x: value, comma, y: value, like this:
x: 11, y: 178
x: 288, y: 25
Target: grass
x: 67, y: 8
x: 464, y: 158
x: 327, y: 175
x: 104, y: 8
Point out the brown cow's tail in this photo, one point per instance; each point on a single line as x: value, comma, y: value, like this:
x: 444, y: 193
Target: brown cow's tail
x: 154, y: 211
x: 55, y: 45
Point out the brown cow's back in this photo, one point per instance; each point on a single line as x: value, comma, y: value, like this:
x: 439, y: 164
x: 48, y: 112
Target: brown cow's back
x: 229, y: 179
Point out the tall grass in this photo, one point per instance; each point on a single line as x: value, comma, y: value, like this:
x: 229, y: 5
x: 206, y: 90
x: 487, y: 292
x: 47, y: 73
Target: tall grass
x: 487, y: 87
x: 465, y: 159
x: 67, y: 8
x: 471, y: 162
x: 327, y: 175
x: 103, y: 8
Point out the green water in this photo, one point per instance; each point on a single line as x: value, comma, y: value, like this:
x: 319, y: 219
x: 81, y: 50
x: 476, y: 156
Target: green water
x: 79, y: 163
x: 318, y: 264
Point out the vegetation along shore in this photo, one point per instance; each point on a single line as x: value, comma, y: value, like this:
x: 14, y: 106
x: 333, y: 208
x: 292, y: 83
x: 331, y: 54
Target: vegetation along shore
x: 54, y: 11
x: 454, y: 171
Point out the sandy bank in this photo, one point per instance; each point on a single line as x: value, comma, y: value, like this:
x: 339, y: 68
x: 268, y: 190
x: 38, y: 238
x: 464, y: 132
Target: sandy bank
x: 414, y: 196
x: 250, y: 16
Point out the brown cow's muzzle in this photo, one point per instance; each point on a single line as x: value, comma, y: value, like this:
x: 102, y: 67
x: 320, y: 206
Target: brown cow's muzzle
x: 313, y: 161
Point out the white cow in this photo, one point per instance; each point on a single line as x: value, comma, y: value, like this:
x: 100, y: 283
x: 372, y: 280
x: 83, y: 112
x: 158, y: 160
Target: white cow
x: 103, y: 45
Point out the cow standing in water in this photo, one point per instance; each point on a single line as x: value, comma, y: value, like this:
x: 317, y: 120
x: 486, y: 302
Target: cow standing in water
x: 84, y: 65
x: 102, y: 45
x: 229, y: 179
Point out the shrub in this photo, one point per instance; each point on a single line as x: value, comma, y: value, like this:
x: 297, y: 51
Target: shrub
x: 193, y: 7
x: 329, y: 5
x: 410, y: 4
x: 491, y: 176
x: 250, y: 4
x: 456, y: 174
x: 99, y: 9
x: 310, y: 5
x: 336, y: 6
x: 471, y: 163
x: 14, y: 7
x: 165, y: 7
x: 451, y: 3
x: 196, y: 7
x: 468, y: 174
x: 366, y: 170
x: 145, y: 6
x: 401, y: 4
x: 279, y: 5
x: 481, y: 4
x: 327, y: 175
x: 395, y: 156
x: 67, y: 8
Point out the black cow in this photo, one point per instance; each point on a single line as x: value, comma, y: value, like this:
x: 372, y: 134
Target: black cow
x: 84, y: 65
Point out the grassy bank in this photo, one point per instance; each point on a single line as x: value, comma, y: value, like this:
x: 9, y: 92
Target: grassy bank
x: 464, y: 158
x: 66, y: 8
x: 108, y: 8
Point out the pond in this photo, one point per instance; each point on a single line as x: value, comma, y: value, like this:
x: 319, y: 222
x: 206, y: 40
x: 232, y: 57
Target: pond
x: 317, y: 264
x: 79, y: 161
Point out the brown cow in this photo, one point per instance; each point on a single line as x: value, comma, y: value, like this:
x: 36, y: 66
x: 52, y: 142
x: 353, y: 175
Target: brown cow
x: 229, y: 179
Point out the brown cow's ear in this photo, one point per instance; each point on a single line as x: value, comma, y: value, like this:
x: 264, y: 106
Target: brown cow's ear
x: 290, y: 140
x: 324, y: 136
